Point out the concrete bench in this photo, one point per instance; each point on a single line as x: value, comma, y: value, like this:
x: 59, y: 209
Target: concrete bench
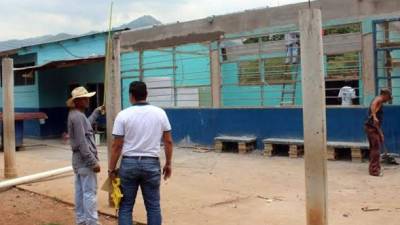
x: 296, y: 147
x: 244, y: 143
x: 355, y: 147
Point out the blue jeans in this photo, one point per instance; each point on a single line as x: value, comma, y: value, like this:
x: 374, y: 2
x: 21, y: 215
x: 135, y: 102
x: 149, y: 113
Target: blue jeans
x: 146, y: 174
x: 85, y: 197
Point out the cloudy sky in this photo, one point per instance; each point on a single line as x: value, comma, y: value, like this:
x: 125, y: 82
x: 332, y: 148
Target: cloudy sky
x: 29, y: 18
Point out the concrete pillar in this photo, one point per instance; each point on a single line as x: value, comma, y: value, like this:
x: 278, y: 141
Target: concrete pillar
x: 113, y: 94
x: 215, y: 70
x: 141, y: 68
x: 314, y: 117
x: 368, y: 70
x: 174, y: 67
x: 113, y: 91
x: 10, y: 170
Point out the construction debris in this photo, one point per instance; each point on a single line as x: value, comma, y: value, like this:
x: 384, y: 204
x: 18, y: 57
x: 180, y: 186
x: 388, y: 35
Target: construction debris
x: 367, y: 209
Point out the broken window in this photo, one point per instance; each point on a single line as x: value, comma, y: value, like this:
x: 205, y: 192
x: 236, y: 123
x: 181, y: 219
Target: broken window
x: 249, y: 73
x: 266, y: 38
x: 343, y: 66
x: 22, y: 78
x: 342, y: 74
x: 277, y: 71
x: 343, y: 29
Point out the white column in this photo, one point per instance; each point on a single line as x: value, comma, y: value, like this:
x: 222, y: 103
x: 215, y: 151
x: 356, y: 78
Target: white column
x: 314, y: 117
x: 113, y: 91
x: 215, y: 67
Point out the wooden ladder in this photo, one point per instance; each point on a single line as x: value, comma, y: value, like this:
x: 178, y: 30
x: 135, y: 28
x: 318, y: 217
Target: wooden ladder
x: 288, y: 95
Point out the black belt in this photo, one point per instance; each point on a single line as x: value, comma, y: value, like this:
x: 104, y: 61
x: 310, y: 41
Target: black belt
x: 140, y: 157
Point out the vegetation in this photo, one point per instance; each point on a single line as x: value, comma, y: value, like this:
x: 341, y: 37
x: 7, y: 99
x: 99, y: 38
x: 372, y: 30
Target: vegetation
x: 343, y: 29
x: 266, y: 38
x: 276, y: 71
x: 249, y: 73
x: 343, y: 65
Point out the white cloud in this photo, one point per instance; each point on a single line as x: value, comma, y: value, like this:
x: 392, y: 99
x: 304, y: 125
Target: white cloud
x: 29, y: 18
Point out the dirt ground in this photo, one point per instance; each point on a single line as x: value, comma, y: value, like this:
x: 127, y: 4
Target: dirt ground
x: 227, y: 188
x: 23, y: 208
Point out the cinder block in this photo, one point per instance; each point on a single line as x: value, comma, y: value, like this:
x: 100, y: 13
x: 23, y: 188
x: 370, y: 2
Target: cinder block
x: 330, y: 153
x: 268, y: 149
x: 294, y: 151
x: 242, y: 147
x: 218, y: 146
x: 356, y: 155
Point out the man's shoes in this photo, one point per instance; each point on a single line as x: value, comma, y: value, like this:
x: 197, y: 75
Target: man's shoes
x: 380, y: 174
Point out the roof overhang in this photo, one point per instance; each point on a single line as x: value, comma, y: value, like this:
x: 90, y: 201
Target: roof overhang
x: 62, y: 64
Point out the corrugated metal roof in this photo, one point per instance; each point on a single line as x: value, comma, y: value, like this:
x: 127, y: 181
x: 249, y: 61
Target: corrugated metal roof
x: 62, y: 63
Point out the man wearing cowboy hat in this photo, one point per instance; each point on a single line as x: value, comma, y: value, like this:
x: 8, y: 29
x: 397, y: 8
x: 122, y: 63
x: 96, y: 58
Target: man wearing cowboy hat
x: 84, y: 157
x: 373, y: 129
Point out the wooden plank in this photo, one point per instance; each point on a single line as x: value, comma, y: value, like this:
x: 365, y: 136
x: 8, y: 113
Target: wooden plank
x: 314, y: 115
x: 27, y: 116
x: 342, y: 43
x: 10, y: 169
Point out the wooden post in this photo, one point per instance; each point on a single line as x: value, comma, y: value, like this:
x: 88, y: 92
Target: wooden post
x: 215, y: 68
x: 113, y: 93
x: 10, y: 170
x: 314, y: 117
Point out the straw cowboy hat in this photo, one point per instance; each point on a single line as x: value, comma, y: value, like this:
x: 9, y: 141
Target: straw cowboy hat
x: 79, y: 92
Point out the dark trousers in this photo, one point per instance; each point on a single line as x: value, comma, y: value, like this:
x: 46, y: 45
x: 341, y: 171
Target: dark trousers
x: 375, y: 145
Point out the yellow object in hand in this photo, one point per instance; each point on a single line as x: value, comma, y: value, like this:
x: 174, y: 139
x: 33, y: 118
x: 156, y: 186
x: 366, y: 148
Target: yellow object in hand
x: 116, y: 194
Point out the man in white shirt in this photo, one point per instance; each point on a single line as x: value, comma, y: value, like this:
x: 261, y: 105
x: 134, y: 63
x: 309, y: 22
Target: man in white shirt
x: 138, y: 131
x: 292, y: 47
x: 347, y: 94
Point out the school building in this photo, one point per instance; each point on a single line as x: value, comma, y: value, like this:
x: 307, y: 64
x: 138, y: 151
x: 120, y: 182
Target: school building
x: 235, y: 74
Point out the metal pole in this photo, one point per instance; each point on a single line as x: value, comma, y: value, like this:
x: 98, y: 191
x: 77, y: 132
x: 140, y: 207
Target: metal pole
x: 314, y: 117
x: 10, y: 170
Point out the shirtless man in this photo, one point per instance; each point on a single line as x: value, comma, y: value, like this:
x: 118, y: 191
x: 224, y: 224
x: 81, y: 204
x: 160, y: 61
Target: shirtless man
x: 373, y: 129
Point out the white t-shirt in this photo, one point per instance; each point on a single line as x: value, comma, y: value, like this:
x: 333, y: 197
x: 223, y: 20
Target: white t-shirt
x: 347, y: 94
x: 142, y: 127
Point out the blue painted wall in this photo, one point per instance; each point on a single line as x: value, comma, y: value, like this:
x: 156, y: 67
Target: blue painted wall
x: 343, y: 124
x: 192, y: 70
x: 81, y: 47
x: 50, y: 90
